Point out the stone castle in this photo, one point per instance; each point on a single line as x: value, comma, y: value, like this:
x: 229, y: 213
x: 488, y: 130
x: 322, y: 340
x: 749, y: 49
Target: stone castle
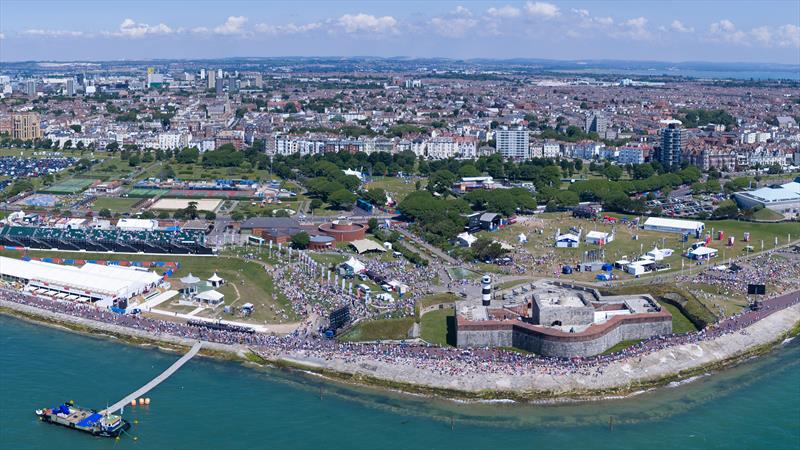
x: 550, y: 318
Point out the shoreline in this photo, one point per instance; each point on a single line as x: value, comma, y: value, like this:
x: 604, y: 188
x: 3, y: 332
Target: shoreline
x: 622, y: 378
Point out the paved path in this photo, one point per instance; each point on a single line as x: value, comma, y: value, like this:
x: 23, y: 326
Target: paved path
x: 155, y: 381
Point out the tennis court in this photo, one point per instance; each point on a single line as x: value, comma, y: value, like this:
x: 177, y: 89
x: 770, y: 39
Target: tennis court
x: 71, y: 186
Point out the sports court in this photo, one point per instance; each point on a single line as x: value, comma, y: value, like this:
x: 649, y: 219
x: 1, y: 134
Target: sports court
x: 173, y: 204
x: 71, y: 186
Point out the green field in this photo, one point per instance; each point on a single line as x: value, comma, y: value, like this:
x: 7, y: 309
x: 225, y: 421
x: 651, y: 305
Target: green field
x: 385, y: 329
x: 397, y: 188
x: 69, y: 186
x: 252, y: 284
x: 541, y: 229
x: 680, y: 323
x: 115, y: 204
x: 767, y: 214
x: 622, y: 345
x: 146, y: 192
x: 438, y: 327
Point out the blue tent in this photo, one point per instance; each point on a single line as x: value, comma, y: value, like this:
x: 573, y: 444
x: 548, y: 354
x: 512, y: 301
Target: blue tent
x: 603, y: 276
x: 608, y: 267
x: 566, y: 270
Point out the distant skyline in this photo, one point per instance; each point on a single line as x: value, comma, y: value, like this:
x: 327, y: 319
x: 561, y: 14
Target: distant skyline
x: 714, y: 31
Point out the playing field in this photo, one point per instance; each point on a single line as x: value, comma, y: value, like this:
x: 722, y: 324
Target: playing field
x: 71, y: 186
x: 115, y: 204
x: 172, y: 204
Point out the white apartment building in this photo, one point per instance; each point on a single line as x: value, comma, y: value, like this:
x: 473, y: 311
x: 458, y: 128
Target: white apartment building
x: 513, y: 143
x: 630, y: 155
x: 172, y: 141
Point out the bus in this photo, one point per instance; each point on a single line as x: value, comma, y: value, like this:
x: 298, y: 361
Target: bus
x: 364, y: 204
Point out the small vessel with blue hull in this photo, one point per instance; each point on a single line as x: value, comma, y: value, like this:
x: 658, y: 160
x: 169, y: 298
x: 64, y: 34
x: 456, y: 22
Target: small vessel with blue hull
x: 84, y: 419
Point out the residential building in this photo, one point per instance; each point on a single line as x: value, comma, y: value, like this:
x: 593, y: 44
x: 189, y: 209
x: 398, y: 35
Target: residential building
x: 26, y: 126
x: 513, y: 143
x: 673, y: 142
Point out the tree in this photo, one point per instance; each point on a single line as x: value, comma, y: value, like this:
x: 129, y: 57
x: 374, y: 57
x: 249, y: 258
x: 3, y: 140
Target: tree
x: 613, y: 172
x: 315, y: 204
x: 342, y: 198
x: 441, y: 181
x: 726, y: 210
x: 485, y: 249
x: 105, y: 213
x: 211, y: 215
x: 372, y: 224
x: 376, y: 196
x: 163, y: 215
x: 75, y: 128
x: 190, y: 212
x: 147, y: 215
x: 301, y: 240
x: 133, y: 160
x: 237, y: 216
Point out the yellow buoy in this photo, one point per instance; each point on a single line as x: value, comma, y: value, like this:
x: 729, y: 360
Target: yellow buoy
x: 116, y: 438
x: 147, y: 401
x: 135, y: 438
x: 133, y: 402
x: 135, y: 421
x: 141, y: 401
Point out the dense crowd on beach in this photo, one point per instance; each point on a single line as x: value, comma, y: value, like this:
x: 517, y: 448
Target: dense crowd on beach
x: 432, y: 359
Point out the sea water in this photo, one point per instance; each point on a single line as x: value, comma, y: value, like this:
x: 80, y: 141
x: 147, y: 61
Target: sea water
x: 211, y: 404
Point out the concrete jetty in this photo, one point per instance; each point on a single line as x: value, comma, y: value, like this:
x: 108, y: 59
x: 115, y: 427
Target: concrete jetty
x: 155, y: 381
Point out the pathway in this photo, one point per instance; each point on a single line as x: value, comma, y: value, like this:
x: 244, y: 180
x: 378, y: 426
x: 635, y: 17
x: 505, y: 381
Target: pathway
x: 155, y: 381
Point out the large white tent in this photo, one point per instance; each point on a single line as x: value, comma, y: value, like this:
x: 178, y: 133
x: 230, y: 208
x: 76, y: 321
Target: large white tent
x: 91, y: 280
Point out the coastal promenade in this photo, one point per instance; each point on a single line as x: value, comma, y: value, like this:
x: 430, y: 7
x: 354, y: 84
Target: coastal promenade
x: 478, y: 372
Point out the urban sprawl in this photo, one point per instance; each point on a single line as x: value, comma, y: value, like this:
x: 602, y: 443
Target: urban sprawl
x: 451, y: 218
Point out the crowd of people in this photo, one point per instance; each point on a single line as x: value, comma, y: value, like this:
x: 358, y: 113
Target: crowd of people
x: 431, y: 359
x: 778, y: 268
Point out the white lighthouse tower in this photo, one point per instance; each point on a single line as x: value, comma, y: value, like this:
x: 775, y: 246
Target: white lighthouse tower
x: 486, y: 290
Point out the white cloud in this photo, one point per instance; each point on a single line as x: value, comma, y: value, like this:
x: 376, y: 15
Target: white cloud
x: 53, y: 33
x: 678, y: 26
x: 2, y: 35
x: 233, y: 25
x: 129, y: 28
x: 581, y: 12
x: 462, y: 11
x: 289, y: 28
x: 367, y: 23
x: 604, y: 21
x: 726, y: 31
x: 635, y: 29
x: 542, y: 9
x: 788, y: 36
x: 453, y: 26
x: 504, y: 12
x: 783, y: 36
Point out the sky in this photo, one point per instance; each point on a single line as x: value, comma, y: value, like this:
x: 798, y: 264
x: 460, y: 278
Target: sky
x: 666, y: 30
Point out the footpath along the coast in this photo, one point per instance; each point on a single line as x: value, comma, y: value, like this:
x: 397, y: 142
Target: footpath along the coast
x: 456, y: 370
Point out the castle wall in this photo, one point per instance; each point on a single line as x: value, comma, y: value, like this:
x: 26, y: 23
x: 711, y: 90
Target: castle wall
x: 546, y: 343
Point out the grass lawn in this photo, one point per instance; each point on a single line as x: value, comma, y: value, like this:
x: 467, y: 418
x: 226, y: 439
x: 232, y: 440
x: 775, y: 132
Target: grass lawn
x: 541, y: 229
x: 444, y: 297
x: 397, y: 188
x: 680, y: 323
x: 328, y: 259
x: 767, y: 214
x: 252, y: 283
x: 391, y: 329
x: 621, y: 346
x: 115, y: 204
x: 438, y: 327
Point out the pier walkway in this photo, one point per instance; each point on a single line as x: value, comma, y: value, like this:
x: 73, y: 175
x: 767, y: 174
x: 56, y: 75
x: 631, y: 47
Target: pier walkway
x: 155, y: 381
